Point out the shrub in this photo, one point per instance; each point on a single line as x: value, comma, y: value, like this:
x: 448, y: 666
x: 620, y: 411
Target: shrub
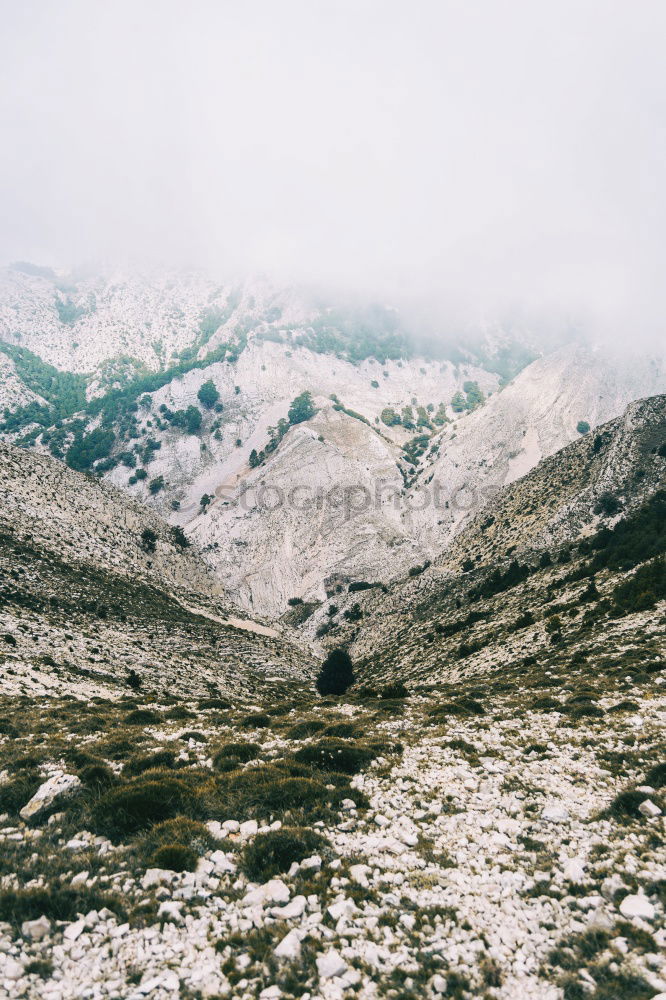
x: 302, y: 408
x: 242, y: 752
x: 133, y: 680
x: 656, y: 776
x: 341, y: 730
x: 180, y: 830
x: 642, y: 590
x: 175, y: 858
x: 142, y: 717
x: 179, y: 712
x: 140, y: 804
x: 607, y: 504
x: 257, y: 720
x: 396, y: 690
x: 16, y: 793
x: 156, y: 484
x: 265, y: 791
x: 583, y: 427
x: 150, y: 761
x: 625, y: 805
x: 56, y: 903
x: 336, y: 674
x: 208, y: 394
x: 97, y: 776
x: 148, y: 540
x: 301, y: 730
x: 272, y: 853
x: 179, y: 537
x: 220, y: 703
x: 335, y: 755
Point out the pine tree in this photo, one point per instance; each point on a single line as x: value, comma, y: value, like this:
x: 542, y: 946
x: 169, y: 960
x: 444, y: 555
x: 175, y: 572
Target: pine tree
x: 336, y: 674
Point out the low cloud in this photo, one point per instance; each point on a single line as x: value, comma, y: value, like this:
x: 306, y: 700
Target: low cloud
x: 489, y: 160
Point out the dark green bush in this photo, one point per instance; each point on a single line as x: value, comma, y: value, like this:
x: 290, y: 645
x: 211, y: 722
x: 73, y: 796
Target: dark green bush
x: 136, y: 806
x: 656, y: 776
x: 16, y: 793
x: 273, y: 853
x: 54, y: 902
x: 97, y: 776
x: 336, y: 755
x: 180, y: 830
x: 336, y: 674
x: 258, y: 720
x: 341, y: 730
x: 301, y: 730
x: 395, y: 690
x: 142, y: 717
x: 625, y: 805
x: 242, y: 752
x: 175, y: 858
x: 149, y: 761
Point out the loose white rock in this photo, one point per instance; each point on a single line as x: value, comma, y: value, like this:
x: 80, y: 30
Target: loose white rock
x: 331, y: 964
x: 637, y: 906
x: 59, y: 786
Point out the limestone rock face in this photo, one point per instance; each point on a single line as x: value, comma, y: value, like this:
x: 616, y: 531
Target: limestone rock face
x: 339, y: 499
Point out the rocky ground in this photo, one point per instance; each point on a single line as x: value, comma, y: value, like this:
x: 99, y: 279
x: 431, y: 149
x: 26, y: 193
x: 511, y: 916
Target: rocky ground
x: 502, y: 841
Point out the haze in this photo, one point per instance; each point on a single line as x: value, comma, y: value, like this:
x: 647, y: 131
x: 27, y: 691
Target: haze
x: 488, y: 158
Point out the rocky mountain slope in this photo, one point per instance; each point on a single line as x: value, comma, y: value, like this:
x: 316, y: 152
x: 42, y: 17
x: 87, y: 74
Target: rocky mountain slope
x: 170, y: 387
x: 95, y: 585
x: 481, y: 815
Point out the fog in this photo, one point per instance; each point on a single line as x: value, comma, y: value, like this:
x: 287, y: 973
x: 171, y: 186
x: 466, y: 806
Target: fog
x: 483, y: 159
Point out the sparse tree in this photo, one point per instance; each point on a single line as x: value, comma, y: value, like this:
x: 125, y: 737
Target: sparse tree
x: 336, y: 674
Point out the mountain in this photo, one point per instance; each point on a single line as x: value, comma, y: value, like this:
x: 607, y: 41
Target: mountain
x: 95, y: 585
x: 538, y: 552
x: 479, y: 815
x: 177, y: 390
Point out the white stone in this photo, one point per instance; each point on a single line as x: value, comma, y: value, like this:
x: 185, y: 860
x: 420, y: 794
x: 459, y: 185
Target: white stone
x: 270, y: 993
x: 289, y: 947
x: 331, y: 964
x: 36, y: 929
x: 292, y: 910
x: 73, y: 931
x: 11, y: 969
x: 275, y: 891
x: 170, y: 911
x: 80, y: 878
x: 637, y: 906
x: 249, y: 828
x: 310, y: 863
x: 157, y: 876
x: 554, y: 814
x: 58, y: 786
x: 216, y: 829
x: 222, y: 862
x: 649, y: 809
x: 359, y: 874
x: 231, y: 825
x: 574, y: 870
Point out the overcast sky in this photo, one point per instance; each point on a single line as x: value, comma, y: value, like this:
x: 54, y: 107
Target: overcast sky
x: 487, y: 155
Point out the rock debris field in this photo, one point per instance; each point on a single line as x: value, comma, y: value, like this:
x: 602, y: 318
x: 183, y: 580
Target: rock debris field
x: 488, y: 844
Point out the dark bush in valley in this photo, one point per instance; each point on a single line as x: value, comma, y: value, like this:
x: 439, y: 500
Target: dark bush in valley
x: 273, y: 853
x: 242, y: 752
x: 124, y: 811
x: 142, y: 717
x: 301, y: 730
x: 336, y: 674
x: 395, y: 690
x: 150, y: 761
